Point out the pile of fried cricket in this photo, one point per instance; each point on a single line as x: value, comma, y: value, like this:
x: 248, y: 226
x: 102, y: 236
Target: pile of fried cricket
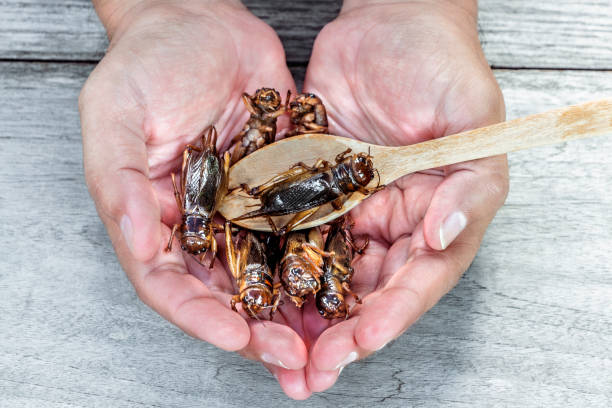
x: 313, y: 261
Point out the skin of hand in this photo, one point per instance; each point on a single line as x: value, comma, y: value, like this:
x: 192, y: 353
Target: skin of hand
x: 397, y: 73
x: 172, y: 69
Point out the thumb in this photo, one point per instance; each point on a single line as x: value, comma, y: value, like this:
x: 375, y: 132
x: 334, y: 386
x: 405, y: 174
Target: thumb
x: 116, y: 172
x: 468, y: 198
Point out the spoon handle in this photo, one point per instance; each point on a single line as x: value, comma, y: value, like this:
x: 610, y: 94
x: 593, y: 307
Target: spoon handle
x: 556, y: 126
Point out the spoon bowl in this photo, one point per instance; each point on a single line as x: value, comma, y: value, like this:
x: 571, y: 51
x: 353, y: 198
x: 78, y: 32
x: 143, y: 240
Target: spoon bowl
x: 556, y: 126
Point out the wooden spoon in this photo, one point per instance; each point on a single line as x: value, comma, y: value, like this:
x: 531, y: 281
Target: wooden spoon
x: 556, y: 126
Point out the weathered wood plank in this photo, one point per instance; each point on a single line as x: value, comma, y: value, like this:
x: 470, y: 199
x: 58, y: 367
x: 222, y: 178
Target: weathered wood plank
x: 547, y: 34
x: 50, y: 30
x: 521, y: 33
x: 530, y: 324
x: 70, y: 30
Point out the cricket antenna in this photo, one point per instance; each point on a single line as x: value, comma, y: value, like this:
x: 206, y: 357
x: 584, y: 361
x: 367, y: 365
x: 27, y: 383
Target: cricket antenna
x: 254, y: 315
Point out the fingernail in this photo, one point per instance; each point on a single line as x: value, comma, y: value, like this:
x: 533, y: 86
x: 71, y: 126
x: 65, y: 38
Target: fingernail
x: 352, y: 356
x: 451, y: 228
x: 382, y: 347
x: 270, y: 359
x: 126, y: 230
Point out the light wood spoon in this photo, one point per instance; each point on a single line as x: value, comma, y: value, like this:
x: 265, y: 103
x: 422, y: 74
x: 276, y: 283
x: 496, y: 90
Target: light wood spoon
x: 556, y: 126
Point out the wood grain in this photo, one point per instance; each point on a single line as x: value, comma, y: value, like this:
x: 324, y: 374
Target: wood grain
x: 529, y: 324
x: 518, y: 34
x: 547, y: 34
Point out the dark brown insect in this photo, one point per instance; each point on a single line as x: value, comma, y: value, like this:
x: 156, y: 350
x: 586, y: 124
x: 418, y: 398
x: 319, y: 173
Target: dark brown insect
x: 260, y: 129
x: 302, y: 264
x: 204, y: 178
x: 338, y: 272
x: 273, y: 250
x: 301, y: 190
x: 307, y: 114
x: 254, y: 278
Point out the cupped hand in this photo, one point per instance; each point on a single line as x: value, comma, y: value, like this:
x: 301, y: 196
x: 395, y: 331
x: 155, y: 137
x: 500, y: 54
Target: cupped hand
x: 172, y: 69
x: 397, y: 74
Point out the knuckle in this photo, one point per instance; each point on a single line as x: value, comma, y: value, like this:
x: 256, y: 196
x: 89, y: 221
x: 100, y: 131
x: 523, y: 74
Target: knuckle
x: 491, y: 107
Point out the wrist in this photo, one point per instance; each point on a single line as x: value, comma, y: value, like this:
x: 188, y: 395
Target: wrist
x: 469, y: 7
x: 116, y: 13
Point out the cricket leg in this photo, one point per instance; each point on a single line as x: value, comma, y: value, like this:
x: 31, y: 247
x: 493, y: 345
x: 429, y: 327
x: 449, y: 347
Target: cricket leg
x: 190, y: 147
x: 169, y: 246
x: 276, y: 297
x: 338, y: 203
x: 367, y: 190
x: 231, y: 252
x: 320, y: 165
x: 316, y: 268
x: 212, y: 138
x: 310, y: 247
x: 350, y: 240
x: 177, y: 195
x: 248, y: 103
x: 213, y: 248
x: 276, y: 114
x: 298, y: 219
x: 235, y: 299
x: 315, y: 128
x: 238, y: 153
x: 358, y: 249
x: 342, y: 156
x: 226, y: 168
x: 274, y: 181
x: 272, y: 225
x: 348, y: 290
x: 348, y: 310
x: 297, y: 300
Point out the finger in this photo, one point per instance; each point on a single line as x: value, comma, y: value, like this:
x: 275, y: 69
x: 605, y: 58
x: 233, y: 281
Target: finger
x: 318, y: 380
x: 165, y: 285
x: 411, y: 290
x: 116, y: 170
x: 336, y: 347
x: 293, y: 382
x: 275, y: 344
x: 470, y: 195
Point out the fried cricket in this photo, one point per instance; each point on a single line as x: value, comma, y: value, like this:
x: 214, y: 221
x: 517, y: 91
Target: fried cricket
x: 254, y: 278
x: 302, y: 189
x: 302, y: 264
x: 338, y: 272
x: 260, y: 129
x: 307, y: 113
x: 204, y: 179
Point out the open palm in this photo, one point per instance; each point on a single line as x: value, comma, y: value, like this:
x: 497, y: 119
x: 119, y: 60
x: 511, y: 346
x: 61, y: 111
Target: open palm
x: 170, y: 72
x: 396, y: 75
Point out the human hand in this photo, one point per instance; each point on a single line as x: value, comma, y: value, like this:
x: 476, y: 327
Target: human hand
x: 397, y: 73
x: 172, y: 69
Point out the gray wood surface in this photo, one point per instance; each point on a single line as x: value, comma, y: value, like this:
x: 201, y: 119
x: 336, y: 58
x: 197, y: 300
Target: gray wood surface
x: 519, y: 33
x: 530, y: 323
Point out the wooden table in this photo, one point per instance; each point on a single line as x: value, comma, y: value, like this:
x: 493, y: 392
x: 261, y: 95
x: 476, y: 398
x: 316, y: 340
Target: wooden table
x: 530, y: 323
